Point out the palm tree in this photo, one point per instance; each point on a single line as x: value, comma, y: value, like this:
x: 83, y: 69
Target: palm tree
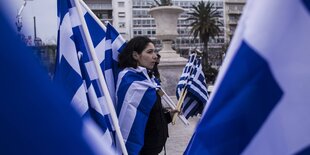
x: 204, y: 24
x: 163, y: 2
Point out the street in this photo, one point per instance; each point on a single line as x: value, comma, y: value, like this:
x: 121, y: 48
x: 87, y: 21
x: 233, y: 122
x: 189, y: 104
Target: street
x: 179, y: 136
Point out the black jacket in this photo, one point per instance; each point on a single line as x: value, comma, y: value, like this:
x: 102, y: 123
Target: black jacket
x: 156, y: 131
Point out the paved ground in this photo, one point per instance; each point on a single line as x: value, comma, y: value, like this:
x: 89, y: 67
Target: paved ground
x: 179, y: 136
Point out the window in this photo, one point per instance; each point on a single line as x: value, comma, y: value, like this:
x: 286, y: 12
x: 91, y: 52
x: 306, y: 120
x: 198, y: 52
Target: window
x: 121, y: 24
x: 121, y: 4
x: 121, y: 14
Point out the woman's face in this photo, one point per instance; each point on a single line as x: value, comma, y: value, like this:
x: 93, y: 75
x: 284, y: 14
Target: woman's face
x: 148, y: 57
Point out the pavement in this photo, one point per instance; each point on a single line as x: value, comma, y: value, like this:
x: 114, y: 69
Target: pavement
x: 179, y: 136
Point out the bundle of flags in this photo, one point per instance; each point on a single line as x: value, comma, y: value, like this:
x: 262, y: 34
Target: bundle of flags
x: 75, y: 68
x: 260, y: 104
x: 193, y: 81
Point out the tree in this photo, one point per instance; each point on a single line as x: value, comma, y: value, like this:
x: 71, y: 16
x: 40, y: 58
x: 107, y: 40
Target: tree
x: 205, y: 24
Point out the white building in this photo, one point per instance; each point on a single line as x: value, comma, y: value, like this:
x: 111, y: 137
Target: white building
x: 144, y: 24
x: 116, y: 12
x: 233, y: 11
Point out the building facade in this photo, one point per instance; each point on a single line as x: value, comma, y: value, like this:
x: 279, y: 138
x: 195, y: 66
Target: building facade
x: 144, y: 24
x: 116, y: 12
x: 233, y: 10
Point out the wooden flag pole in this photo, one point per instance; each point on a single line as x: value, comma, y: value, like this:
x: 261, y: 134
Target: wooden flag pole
x: 179, y: 105
x: 102, y: 81
x: 171, y: 104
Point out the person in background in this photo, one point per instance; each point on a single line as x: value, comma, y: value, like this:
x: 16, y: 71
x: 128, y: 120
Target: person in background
x: 139, y: 106
x: 155, y: 69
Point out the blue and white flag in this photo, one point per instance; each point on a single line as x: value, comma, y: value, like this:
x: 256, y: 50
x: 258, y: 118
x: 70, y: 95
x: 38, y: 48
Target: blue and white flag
x: 136, y: 95
x: 114, y: 44
x: 36, y: 116
x: 261, y: 100
x: 75, y: 69
x: 193, y: 80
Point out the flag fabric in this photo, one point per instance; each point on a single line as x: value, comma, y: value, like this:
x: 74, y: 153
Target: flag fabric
x: 114, y: 44
x: 75, y: 69
x: 135, y: 95
x: 260, y: 104
x: 36, y: 116
x: 193, y: 80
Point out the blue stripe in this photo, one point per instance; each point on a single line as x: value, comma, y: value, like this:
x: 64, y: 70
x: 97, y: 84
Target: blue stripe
x: 108, y: 59
x: 186, y: 105
x: 197, y: 109
x: 122, y: 47
x: 307, y: 4
x: 112, y: 33
x: 96, y: 32
x: 198, y: 94
x: 127, y: 80
x: 97, y: 87
x: 62, y: 9
x: 305, y: 151
x: 111, y: 65
x: 201, y: 78
x: 58, y: 58
x: 66, y: 76
x: 79, y: 43
x: 97, y: 117
x: 232, y: 119
x: 135, y: 139
x: 115, y: 69
x: 183, y: 78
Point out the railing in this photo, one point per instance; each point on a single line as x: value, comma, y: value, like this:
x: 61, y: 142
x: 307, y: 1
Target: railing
x: 100, y: 6
x: 234, y: 11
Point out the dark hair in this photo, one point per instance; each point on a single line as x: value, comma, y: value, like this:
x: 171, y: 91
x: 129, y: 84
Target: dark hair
x: 138, y: 44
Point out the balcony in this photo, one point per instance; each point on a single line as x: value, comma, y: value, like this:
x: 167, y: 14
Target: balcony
x: 100, y: 6
x: 239, y: 12
x: 107, y: 20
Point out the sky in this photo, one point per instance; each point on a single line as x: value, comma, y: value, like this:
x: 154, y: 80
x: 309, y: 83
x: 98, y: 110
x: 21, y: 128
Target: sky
x: 45, y: 12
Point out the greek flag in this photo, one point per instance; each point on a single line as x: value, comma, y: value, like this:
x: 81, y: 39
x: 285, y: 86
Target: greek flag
x: 193, y: 80
x: 135, y: 98
x: 75, y: 69
x: 261, y: 100
x: 36, y: 116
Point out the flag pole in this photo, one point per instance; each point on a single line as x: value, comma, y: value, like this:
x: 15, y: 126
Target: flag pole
x: 183, y: 93
x: 102, y: 82
x: 179, y: 104
x: 168, y: 100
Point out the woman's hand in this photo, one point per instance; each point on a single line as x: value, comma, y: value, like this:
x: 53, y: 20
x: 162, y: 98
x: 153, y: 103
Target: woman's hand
x: 172, y: 111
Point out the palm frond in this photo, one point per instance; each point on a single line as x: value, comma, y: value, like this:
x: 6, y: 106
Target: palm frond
x: 204, y: 20
x: 163, y: 2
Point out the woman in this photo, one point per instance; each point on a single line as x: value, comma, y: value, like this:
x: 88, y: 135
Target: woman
x: 143, y: 123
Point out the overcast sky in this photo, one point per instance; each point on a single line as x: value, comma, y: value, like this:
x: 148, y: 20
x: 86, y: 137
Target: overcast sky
x: 45, y: 12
